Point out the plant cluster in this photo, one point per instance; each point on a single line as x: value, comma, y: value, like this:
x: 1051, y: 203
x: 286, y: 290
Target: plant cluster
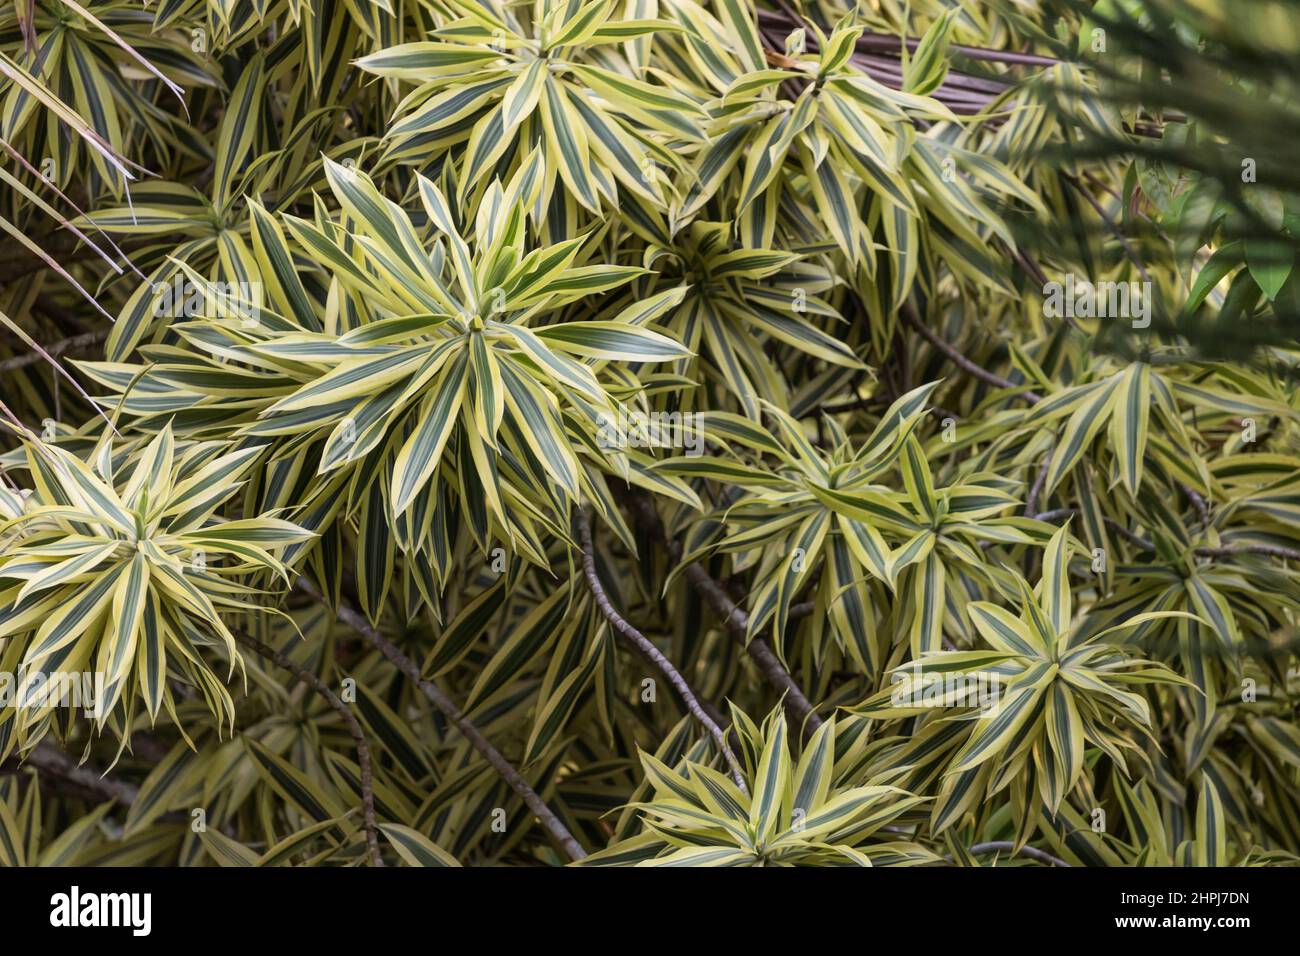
x: 657, y: 432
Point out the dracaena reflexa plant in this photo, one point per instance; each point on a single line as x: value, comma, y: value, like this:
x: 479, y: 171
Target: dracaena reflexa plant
x: 440, y: 369
x: 837, y: 515
x: 870, y: 178
x: 79, y: 48
x: 580, y: 344
x: 1210, y: 842
x: 121, y: 566
x: 805, y: 511
x: 1125, y: 401
x: 454, y: 346
x: 737, y: 299
x: 504, y: 77
x: 843, y: 128
x: 219, y: 225
x: 792, y: 813
x: 1060, y: 690
x: 943, y: 531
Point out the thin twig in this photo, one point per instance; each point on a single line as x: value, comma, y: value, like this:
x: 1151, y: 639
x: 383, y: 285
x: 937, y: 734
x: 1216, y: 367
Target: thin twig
x: 961, y: 361
x: 354, y: 728
x: 736, y: 620
x: 51, y: 759
x: 503, y: 767
x: 643, y: 644
x: 885, y: 43
x: 1198, y: 503
x: 1054, y: 515
x: 1131, y: 536
x: 1268, y: 550
x: 1003, y: 846
x: 797, y: 706
x: 15, y: 267
x: 1032, y: 504
x: 73, y: 344
x: 1116, y: 231
x: 1144, y: 544
x: 22, y: 161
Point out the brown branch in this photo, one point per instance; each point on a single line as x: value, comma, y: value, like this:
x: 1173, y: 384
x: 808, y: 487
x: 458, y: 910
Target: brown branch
x: 1198, y: 503
x: 796, y: 703
x: 1031, y: 505
x: 1111, y: 224
x: 879, y: 56
x: 449, y: 710
x: 73, y: 344
x: 1267, y: 550
x: 646, y: 647
x: 1131, y: 536
x: 69, y: 227
x: 797, y: 706
x: 961, y: 361
x: 354, y: 728
x: 50, y: 759
x: 883, y: 43
x: 1143, y: 544
x: 64, y: 251
x: 1003, y: 846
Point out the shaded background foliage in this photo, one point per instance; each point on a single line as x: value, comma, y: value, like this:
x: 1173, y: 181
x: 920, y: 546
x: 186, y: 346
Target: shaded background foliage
x: 379, y: 567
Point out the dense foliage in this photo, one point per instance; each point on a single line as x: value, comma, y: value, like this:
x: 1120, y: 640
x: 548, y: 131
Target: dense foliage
x: 662, y: 432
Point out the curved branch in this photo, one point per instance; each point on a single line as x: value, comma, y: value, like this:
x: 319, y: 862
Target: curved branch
x: 1003, y: 846
x: 647, y: 648
x: 72, y: 344
x: 961, y: 361
x: 449, y: 710
x: 883, y: 43
x: 1031, y: 505
x: 796, y: 703
x: 797, y: 706
x: 49, y: 758
x: 354, y: 728
x: 1268, y: 550
x: 1143, y: 544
